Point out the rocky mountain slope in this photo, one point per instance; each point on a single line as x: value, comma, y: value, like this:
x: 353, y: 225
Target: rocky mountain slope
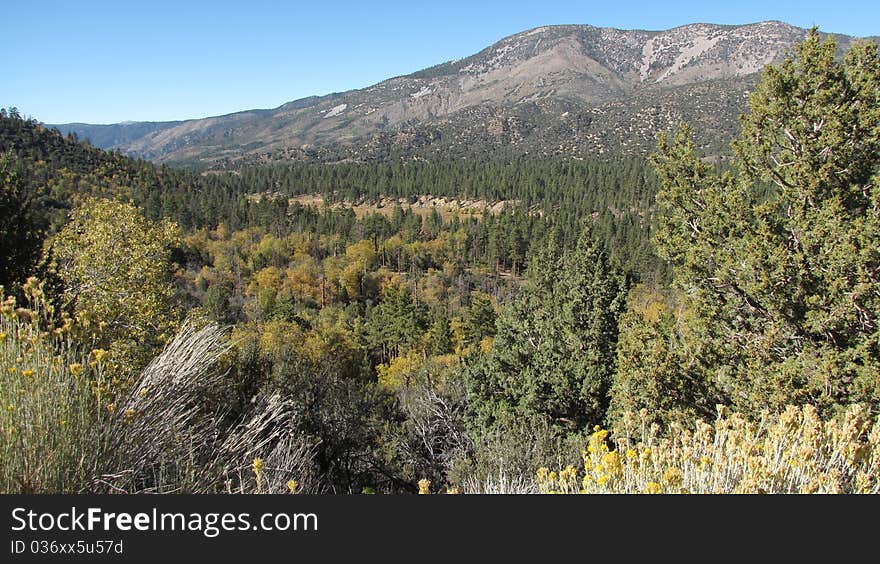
x: 570, y: 89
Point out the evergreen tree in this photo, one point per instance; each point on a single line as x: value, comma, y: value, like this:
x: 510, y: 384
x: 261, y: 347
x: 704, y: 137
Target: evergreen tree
x: 440, y: 340
x: 780, y: 259
x: 661, y: 363
x: 217, y: 302
x: 554, y: 352
x: 480, y: 322
x: 22, y: 225
x: 395, y: 324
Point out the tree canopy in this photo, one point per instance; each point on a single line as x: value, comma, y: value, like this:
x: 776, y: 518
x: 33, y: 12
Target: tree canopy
x: 116, y: 270
x: 778, y: 258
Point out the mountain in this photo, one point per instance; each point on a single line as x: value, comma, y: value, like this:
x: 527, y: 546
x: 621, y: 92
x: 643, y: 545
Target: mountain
x: 116, y: 135
x: 567, y: 89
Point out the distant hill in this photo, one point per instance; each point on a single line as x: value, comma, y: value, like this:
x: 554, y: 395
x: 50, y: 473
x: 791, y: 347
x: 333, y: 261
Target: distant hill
x: 116, y: 135
x: 569, y: 89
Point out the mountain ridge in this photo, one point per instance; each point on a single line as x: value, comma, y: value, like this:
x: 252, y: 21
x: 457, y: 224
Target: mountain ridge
x: 564, y: 89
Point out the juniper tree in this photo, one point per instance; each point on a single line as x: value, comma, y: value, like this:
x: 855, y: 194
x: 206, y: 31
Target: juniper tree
x: 779, y: 259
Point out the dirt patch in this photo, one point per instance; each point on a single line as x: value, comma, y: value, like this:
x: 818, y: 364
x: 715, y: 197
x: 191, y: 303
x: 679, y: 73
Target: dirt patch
x: 421, y: 205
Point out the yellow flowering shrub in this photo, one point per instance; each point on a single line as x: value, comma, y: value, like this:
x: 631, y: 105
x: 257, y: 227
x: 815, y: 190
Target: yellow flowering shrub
x: 258, y: 473
x: 50, y: 427
x: 790, y: 452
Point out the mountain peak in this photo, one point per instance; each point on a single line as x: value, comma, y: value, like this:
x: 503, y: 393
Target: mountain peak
x: 567, y: 89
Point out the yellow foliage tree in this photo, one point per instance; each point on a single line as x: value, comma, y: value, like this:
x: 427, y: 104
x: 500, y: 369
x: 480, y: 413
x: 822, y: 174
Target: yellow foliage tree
x: 117, y: 273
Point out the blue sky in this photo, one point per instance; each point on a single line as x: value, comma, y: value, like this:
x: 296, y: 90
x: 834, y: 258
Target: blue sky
x: 110, y: 61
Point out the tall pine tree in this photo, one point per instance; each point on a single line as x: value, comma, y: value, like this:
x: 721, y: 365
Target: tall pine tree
x: 554, y: 352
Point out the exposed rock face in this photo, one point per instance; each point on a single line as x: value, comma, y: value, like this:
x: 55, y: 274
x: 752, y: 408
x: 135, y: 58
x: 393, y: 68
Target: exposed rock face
x: 569, y: 89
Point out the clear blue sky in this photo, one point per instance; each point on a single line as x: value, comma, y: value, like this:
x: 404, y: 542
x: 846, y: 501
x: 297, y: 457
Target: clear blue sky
x: 110, y: 61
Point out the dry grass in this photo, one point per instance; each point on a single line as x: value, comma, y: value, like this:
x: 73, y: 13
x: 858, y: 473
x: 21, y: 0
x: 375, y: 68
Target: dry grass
x: 500, y: 484
x: 160, y: 432
x: 266, y: 435
x: 170, y: 437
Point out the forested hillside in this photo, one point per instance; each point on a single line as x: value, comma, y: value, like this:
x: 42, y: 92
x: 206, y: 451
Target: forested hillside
x: 661, y: 326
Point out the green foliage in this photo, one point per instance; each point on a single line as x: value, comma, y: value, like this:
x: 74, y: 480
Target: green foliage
x: 22, y: 224
x: 217, y: 303
x: 395, y: 324
x: 661, y: 363
x: 554, y: 352
x: 779, y: 261
x: 480, y: 323
x: 116, y: 270
x: 440, y: 338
